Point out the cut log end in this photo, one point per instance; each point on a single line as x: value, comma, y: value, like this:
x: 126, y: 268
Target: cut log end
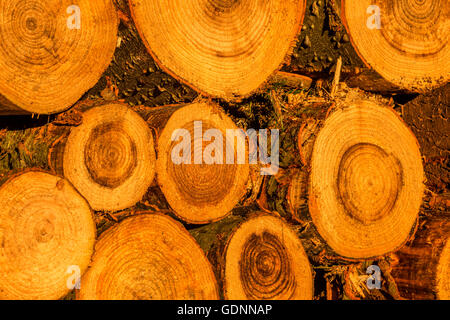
x: 264, y: 259
x: 223, y: 48
x: 148, y: 256
x: 192, y: 168
x: 406, y: 43
x: 366, y: 181
x: 52, y: 52
x: 110, y: 157
x: 47, y: 232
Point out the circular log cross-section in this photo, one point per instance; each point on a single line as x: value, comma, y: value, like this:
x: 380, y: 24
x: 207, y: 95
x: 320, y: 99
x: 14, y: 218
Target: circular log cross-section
x: 223, y: 48
x: 203, y: 187
x: 47, y: 231
x: 110, y: 157
x: 148, y: 257
x: 52, y: 52
x: 366, y: 180
x: 405, y: 41
x: 264, y: 259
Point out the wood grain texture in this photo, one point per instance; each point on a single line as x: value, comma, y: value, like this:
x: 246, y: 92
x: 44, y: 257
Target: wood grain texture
x: 45, y: 66
x: 223, y: 48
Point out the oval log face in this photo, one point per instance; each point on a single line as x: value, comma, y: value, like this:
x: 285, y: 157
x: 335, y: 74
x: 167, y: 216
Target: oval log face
x: 220, y: 47
x: 202, y: 172
x: 265, y: 260
x: 110, y: 158
x: 53, y: 51
x: 148, y: 256
x: 47, y: 234
x: 405, y: 41
x: 366, y: 182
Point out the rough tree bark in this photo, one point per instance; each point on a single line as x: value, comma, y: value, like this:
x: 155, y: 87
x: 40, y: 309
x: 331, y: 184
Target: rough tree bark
x: 422, y: 268
x: 428, y: 115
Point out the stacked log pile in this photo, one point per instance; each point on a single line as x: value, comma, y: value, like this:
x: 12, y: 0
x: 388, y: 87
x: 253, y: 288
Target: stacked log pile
x: 132, y: 154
